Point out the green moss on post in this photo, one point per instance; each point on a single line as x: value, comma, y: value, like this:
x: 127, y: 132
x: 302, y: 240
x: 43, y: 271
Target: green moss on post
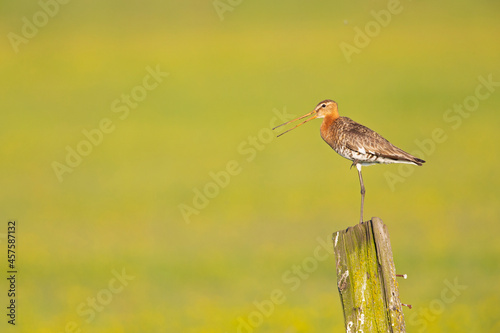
x: 366, y: 279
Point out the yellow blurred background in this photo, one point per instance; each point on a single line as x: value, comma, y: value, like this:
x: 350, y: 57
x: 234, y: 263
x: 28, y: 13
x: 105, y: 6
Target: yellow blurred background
x: 150, y: 195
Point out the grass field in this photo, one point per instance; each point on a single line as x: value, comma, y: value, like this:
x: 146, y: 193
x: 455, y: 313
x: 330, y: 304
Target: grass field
x: 116, y: 116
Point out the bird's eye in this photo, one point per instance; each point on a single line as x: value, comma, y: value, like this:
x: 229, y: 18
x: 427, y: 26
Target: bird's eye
x: 323, y: 105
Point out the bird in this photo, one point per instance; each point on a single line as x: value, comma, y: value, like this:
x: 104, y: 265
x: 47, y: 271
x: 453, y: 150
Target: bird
x: 353, y: 141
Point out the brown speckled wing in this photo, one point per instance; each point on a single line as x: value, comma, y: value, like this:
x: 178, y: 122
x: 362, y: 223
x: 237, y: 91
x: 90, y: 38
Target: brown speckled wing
x: 358, y: 137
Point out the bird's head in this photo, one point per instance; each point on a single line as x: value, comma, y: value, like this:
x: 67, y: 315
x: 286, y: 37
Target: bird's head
x: 326, y: 108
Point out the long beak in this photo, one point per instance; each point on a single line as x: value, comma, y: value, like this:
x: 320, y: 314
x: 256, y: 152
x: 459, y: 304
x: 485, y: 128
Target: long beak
x: 288, y: 122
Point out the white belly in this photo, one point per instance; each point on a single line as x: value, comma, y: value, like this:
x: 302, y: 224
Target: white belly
x: 365, y: 158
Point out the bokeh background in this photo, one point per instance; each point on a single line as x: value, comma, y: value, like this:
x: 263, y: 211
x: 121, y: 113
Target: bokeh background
x: 231, y: 69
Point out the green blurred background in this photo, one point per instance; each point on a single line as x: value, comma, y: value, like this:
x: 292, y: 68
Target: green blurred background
x: 229, y: 73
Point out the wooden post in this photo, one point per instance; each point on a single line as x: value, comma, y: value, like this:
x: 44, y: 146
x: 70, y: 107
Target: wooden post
x: 366, y: 279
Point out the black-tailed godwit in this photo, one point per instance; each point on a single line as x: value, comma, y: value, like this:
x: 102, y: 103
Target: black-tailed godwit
x: 354, y: 141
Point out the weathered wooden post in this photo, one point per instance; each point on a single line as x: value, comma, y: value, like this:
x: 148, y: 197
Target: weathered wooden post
x: 366, y: 279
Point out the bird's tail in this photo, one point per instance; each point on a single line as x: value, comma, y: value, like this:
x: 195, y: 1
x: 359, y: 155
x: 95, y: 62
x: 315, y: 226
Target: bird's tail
x: 404, y: 156
x: 418, y: 161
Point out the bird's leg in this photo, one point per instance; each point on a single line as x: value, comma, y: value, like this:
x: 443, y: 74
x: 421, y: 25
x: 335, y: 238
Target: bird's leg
x: 358, y: 166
